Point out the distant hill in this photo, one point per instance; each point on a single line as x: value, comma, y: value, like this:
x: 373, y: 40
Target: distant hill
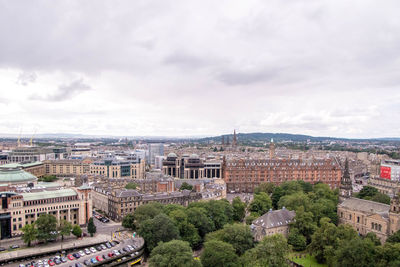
x: 279, y: 137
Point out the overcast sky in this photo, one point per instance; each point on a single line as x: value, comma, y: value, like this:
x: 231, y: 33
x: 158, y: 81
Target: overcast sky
x: 179, y: 68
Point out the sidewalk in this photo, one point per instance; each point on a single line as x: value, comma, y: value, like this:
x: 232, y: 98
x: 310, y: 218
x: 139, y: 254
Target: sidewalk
x: 67, y: 244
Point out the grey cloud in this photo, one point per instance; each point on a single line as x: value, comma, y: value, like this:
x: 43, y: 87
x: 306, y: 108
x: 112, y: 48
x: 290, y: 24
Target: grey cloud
x: 236, y: 77
x: 185, y: 60
x: 64, y: 92
x: 26, y: 77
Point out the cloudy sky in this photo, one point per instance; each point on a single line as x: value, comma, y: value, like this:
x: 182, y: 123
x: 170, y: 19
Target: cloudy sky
x: 179, y: 68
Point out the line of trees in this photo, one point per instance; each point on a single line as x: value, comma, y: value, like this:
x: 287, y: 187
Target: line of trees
x: 47, y: 228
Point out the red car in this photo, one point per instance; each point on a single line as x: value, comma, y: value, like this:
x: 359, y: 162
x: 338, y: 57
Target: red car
x: 110, y: 254
x: 70, y: 257
x: 98, y: 258
x: 51, y: 263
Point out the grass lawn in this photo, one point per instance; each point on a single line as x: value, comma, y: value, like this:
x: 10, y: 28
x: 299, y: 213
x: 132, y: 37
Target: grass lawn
x: 308, y: 261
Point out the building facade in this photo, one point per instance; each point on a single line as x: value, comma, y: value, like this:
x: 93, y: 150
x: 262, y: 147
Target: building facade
x: 67, y: 167
x: 119, y: 168
x: 272, y: 222
x: 191, y: 167
x: 21, y: 208
x: 243, y: 175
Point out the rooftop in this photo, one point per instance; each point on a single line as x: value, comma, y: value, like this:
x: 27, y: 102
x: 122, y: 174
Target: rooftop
x: 365, y: 205
x: 49, y: 194
x: 275, y: 218
x: 15, y: 175
x: 22, y: 165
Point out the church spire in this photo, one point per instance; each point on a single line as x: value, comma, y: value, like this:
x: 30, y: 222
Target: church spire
x: 234, y: 141
x: 346, y: 187
x: 346, y: 174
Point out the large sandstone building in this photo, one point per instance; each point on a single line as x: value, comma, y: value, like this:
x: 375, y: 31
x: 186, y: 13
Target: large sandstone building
x: 367, y: 216
x: 242, y: 175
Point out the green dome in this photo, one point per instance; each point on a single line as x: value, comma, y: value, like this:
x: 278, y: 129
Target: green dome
x: 15, y: 175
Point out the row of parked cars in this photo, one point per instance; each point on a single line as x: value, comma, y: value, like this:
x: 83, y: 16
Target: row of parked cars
x: 101, y: 218
x: 100, y: 258
x: 63, y: 258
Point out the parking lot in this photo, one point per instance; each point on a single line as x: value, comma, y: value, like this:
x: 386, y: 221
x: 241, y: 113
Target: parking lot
x: 86, y: 256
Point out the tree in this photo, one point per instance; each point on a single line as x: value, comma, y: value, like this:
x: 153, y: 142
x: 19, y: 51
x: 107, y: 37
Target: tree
x: 239, y: 209
x: 238, y: 235
x: 131, y: 185
x: 219, y: 211
x: 129, y: 221
x: 276, y: 196
x: 186, y: 186
x: 46, y: 225
x: 271, y: 251
x: 326, y: 239
x: 91, y: 227
x: 77, y: 231
x: 304, y: 223
x: 148, y: 211
x: 198, y: 217
x: 260, y: 204
x: 355, y: 252
x: 388, y: 255
x: 64, y: 228
x: 382, y: 198
x: 160, y: 228
x: 373, y: 238
x: 297, y: 240
x: 367, y: 191
x: 187, y: 231
x: 29, y: 233
x: 249, y: 219
x: 294, y: 201
x: 218, y: 253
x: 265, y: 187
x: 48, y: 178
x: 394, y: 238
x: 175, y: 253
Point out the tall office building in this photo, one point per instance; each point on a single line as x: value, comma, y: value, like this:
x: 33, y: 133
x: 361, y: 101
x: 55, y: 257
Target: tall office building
x: 155, y: 150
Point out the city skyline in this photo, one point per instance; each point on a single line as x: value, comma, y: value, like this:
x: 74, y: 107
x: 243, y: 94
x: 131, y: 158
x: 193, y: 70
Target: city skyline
x: 160, y: 68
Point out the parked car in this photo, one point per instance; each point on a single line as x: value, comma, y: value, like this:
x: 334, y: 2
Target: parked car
x: 87, y: 251
x: 78, y: 264
x: 108, y: 245
x: 2, y: 249
x: 105, y: 257
x: 93, y: 250
x: 64, y: 259
x: 14, y: 246
x: 99, y: 248
x: 103, y: 246
x: 99, y: 258
x: 57, y: 261
x: 70, y: 257
x: 86, y: 262
x: 93, y: 260
x: 110, y: 254
x: 81, y: 253
x: 51, y: 263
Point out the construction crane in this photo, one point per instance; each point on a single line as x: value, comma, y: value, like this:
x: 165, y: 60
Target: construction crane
x: 31, y: 141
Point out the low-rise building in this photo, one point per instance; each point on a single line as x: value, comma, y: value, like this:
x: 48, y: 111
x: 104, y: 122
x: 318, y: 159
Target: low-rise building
x: 119, y: 168
x: 272, y: 222
x: 26, y: 205
x: 67, y: 167
x: 36, y: 168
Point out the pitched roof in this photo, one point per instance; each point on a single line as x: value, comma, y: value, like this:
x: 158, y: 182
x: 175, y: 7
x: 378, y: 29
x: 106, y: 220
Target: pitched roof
x: 275, y: 218
x: 365, y: 205
x: 49, y: 194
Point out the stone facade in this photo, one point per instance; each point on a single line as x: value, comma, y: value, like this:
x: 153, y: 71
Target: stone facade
x: 242, y: 175
x: 67, y: 167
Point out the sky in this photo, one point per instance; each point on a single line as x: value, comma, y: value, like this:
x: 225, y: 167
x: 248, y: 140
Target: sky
x: 199, y: 68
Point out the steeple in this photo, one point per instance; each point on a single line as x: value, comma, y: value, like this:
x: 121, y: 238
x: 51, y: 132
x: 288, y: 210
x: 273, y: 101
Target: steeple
x: 272, y: 149
x: 346, y: 187
x: 234, y: 140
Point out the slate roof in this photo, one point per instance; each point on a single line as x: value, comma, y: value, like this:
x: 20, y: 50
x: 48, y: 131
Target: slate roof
x: 275, y: 218
x: 365, y: 206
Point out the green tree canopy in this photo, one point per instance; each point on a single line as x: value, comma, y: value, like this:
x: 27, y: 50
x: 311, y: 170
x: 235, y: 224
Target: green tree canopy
x: 198, y: 217
x: 271, y: 251
x: 367, y: 191
x: 239, y: 209
x: 265, y: 187
x: 186, y: 186
x: 394, y: 238
x: 238, y: 235
x: 129, y: 221
x: 91, y: 227
x: 77, y: 231
x: 131, y: 185
x: 218, y: 253
x: 260, y: 204
x: 187, y: 231
x: 64, y: 228
x: 148, y: 211
x: 297, y: 240
x: 160, y: 228
x: 304, y: 223
x: 30, y: 233
x: 175, y: 253
x: 46, y: 225
x: 355, y: 252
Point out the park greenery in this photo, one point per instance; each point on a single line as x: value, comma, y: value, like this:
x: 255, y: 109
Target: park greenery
x: 48, y: 178
x: 46, y: 228
x: 131, y: 185
x: 186, y: 186
x: 371, y: 193
x: 220, y: 231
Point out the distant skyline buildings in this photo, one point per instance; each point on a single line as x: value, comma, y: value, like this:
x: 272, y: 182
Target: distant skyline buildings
x: 157, y: 69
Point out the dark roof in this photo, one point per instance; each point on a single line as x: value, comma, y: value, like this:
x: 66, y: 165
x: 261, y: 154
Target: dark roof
x: 275, y: 218
x: 366, y: 206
